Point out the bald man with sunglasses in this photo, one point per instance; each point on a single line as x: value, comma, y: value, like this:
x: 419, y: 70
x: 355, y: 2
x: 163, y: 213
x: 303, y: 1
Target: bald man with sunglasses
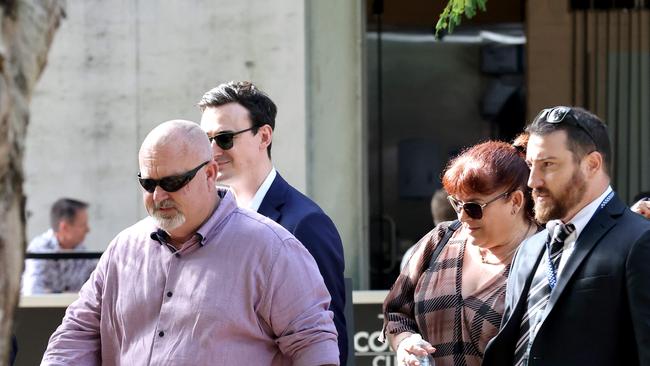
x: 200, y: 281
x: 239, y: 120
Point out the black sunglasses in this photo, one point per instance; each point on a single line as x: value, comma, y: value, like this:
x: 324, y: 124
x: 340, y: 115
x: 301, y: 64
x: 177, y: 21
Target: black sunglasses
x: 169, y: 184
x: 563, y: 114
x: 472, y: 209
x: 225, y: 140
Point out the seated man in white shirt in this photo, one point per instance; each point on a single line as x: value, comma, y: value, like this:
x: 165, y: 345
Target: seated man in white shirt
x: 69, y: 221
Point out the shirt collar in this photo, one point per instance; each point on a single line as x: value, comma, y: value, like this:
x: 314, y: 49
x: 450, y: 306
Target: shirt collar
x: 52, y: 239
x: 226, y: 205
x: 54, y: 242
x: 581, y: 219
x: 160, y: 236
x: 256, y: 202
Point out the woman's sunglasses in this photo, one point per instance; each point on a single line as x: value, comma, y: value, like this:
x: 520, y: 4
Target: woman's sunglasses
x: 225, y: 140
x: 169, y: 184
x: 472, y: 209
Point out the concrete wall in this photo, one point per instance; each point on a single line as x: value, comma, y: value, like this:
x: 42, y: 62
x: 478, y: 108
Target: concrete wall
x: 117, y: 69
x: 336, y: 170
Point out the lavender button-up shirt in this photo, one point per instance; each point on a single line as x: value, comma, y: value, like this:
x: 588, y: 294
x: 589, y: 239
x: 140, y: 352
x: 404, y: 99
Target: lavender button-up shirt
x: 243, y: 291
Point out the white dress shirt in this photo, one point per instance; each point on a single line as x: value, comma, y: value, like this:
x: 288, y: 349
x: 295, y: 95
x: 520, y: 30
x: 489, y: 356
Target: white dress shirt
x: 580, y: 221
x: 261, y: 192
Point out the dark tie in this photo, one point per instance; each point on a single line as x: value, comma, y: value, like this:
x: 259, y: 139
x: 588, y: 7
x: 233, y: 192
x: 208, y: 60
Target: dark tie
x: 540, y: 290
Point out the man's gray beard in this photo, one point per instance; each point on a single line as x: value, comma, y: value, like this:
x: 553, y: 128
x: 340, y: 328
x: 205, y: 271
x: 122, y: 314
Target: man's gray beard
x: 168, y: 223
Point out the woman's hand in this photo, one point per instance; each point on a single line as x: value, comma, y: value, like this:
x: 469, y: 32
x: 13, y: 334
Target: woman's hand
x: 411, y: 348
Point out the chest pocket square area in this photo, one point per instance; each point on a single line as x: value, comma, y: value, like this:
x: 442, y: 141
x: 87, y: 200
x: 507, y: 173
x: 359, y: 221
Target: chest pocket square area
x: 591, y: 283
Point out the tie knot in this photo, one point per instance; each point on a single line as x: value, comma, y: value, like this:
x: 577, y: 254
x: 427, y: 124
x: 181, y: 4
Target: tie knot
x: 563, y: 231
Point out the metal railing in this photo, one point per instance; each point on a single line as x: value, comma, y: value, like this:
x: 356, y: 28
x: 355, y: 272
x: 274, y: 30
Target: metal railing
x: 64, y: 255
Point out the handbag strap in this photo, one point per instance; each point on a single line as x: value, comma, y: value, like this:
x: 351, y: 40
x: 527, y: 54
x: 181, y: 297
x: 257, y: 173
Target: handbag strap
x: 441, y: 244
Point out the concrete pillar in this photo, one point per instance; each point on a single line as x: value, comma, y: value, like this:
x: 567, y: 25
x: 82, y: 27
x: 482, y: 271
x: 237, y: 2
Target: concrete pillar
x: 336, y: 152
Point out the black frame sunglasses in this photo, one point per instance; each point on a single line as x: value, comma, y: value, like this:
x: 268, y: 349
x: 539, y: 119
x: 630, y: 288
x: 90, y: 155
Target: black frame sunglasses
x: 225, y: 140
x: 473, y: 209
x: 562, y: 114
x: 170, y: 184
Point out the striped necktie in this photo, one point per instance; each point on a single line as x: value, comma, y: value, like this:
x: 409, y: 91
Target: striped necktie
x: 540, y: 291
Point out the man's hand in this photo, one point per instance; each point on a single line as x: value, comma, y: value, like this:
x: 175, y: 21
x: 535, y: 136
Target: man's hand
x: 642, y: 207
x: 412, y: 347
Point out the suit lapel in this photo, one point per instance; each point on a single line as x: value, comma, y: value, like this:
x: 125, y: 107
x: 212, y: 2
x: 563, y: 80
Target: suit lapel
x: 274, y: 199
x: 527, y: 261
x: 602, y: 221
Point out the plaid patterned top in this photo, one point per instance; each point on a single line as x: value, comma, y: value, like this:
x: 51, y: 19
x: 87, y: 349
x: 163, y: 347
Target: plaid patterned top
x: 428, y: 300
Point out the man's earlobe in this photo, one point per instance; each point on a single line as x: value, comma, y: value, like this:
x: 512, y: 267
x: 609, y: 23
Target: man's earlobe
x: 594, y: 162
x: 214, y: 171
x: 267, y: 135
x: 517, y: 200
x: 211, y: 171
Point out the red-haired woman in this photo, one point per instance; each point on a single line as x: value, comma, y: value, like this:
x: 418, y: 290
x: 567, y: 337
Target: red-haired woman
x: 451, y: 305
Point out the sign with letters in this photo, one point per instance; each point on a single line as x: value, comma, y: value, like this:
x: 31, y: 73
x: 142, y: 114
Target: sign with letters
x: 368, y: 320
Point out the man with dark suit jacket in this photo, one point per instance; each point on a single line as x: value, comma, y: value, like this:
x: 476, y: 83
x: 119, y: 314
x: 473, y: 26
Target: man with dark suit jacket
x: 578, y: 292
x: 239, y: 120
x: 14, y: 350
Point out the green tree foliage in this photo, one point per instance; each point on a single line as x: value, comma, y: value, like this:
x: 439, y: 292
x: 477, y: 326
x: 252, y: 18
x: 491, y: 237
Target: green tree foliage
x: 453, y: 12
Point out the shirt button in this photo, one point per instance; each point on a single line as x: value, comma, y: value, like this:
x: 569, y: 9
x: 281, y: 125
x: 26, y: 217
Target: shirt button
x: 178, y: 255
x: 161, y: 334
x: 169, y: 294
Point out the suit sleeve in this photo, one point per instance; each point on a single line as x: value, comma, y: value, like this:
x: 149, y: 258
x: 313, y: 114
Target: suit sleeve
x: 638, y: 284
x: 512, y: 288
x: 318, y: 234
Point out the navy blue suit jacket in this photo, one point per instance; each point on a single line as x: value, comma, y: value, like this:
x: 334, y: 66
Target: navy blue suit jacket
x: 599, y: 312
x: 14, y: 350
x: 308, y: 223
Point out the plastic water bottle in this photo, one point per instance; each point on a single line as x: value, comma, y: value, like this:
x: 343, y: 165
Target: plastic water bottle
x: 424, y: 360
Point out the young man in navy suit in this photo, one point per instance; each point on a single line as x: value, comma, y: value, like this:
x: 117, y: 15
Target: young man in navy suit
x: 578, y: 292
x: 239, y: 119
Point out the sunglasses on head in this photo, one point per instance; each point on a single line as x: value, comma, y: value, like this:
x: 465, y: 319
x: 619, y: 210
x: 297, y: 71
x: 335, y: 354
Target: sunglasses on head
x: 169, y: 184
x: 562, y: 114
x: 472, y: 209
x: 225, y: 140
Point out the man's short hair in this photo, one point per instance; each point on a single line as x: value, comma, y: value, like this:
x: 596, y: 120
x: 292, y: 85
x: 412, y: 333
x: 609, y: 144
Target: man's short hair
x: 65, y: 209
x: 260, y: 107
x: 585, y: 133
x: 441, y: 209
